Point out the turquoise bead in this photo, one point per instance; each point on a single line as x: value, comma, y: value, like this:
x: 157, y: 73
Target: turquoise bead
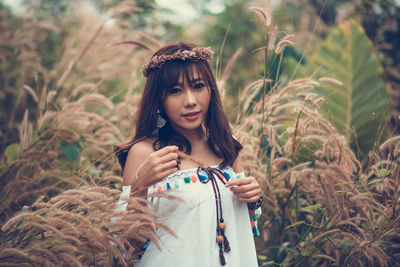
x: 187, y: 179
x: 227, y: 175
x: 176, y: 184
x: 256, y: 232
x: 255, y: 217
x: 203, y: 177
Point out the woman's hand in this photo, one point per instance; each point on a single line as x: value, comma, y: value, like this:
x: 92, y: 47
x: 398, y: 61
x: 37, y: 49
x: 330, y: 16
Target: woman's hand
x: 145, y: 167
x: 246, y: 188
x: 158, y: 165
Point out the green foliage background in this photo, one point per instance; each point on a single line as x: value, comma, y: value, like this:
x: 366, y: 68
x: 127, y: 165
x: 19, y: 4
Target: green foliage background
x: 360, y: 107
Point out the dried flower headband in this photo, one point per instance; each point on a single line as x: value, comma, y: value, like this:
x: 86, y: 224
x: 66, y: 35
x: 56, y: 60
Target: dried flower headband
x: 197, y: 53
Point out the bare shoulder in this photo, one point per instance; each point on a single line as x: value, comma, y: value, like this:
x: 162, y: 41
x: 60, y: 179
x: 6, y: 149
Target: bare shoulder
x: 141, y: 149
x: 136, y: 156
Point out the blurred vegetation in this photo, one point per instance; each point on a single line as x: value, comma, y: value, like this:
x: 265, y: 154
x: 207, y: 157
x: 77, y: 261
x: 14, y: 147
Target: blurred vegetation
x: 381, y: 21
x: 230, y: 31
x: 359, y: 106
x: 329, y: 164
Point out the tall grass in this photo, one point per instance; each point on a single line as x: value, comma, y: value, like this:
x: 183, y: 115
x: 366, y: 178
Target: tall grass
x: 322, y: 206
x: 60, y: 182
x: 77, y: 228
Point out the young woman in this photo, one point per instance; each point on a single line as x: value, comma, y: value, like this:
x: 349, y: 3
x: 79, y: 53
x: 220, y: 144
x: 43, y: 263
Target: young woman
x: 183, y: 146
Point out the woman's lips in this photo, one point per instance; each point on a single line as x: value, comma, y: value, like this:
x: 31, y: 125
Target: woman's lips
x: 191, y: 115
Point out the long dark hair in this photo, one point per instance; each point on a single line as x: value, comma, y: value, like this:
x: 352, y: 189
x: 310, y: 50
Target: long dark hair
x: 158, y: 83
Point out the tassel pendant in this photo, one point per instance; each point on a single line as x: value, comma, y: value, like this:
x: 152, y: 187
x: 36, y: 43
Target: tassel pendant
x: 221, y: 254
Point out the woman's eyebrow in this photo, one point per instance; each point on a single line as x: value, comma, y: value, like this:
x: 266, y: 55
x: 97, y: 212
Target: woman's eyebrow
x: 196, y: 80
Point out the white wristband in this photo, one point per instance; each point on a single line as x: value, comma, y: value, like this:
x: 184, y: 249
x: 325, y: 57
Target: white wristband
x: 122, y: 204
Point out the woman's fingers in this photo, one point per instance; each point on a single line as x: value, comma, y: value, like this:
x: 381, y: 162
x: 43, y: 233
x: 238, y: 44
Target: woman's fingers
x: 159, y: 164
x: 240, y: 181
x: 242, y: 184
x: 172, y: 156
x: 244, y: 188
x: 247, y: 188
x: 168, y: 172
x: 157, y: 159
x: 173, y: 164
x: 164, y: 162
x: 165, y: 157
x: 250, y: 199
x: 249, y: 194
x: 165, y: 151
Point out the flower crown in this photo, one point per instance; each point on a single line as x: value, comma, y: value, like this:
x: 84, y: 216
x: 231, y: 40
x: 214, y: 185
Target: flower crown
x: 197, y: 53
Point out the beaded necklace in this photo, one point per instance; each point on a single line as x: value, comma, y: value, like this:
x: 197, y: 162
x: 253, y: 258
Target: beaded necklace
x: 221, y: 239
x: 207, y: 174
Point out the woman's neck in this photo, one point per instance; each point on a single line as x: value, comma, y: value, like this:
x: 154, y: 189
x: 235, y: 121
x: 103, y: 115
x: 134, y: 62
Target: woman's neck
x: 195, y: 137
x: 200, y: 150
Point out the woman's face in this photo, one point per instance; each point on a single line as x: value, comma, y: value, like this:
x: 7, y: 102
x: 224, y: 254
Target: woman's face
x: 186, y: 104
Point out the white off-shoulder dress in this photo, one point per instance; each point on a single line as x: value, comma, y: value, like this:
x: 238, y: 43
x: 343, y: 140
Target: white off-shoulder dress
x: 194, y: 222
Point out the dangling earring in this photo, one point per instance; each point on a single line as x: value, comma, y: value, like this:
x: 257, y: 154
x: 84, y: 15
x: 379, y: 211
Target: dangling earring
x: 160, y: 120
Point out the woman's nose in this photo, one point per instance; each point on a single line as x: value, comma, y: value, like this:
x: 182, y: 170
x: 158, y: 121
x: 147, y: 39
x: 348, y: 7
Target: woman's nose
x: 190, y: 98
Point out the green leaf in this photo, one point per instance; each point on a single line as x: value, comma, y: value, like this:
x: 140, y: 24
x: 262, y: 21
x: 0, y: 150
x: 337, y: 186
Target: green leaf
x: 70, y: 150
x: 344, y: 246
x: 360, y: 107
x: 349, y: 257
x: 25, y: 208
x: 268, y: 263
x: 310, y: 250
x: 94, y: 171
x: 3, y: 169
x: 294, y: 224
x: 312, y: 207
x: 11, y: 153
x: 262, y: 257
x: 384, y: 223
x: 345, y: 183
x: 375, y: 181
x: 383, y: 172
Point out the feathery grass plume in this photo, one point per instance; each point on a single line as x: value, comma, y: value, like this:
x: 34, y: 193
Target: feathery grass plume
x: 272, y: 38
x: 264, y: 16
x: 77, y: 226
x: 150, y: 38
x: 227, y: 71
x: 132, y: 42
x: 260, y: 13
x: 31, y: 92
x: 282, y: 44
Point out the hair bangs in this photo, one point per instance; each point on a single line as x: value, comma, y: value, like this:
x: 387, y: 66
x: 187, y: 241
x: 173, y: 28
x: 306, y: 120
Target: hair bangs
x: 174, y: 71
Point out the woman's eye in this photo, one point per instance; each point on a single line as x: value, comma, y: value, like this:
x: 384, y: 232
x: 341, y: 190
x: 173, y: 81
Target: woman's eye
x: 199, y: 85
x: 174, y: 91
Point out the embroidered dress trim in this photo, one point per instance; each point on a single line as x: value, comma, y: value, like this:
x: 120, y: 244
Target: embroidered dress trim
x: 186, y: 177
